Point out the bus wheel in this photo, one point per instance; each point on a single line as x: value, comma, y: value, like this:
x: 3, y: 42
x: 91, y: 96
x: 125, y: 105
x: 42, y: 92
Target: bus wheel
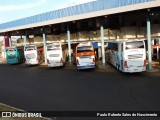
x: 117, y: 66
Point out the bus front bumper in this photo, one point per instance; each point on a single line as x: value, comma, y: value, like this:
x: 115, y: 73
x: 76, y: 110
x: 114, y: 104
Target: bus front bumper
x: 30, y: 62
x: 55, y: 64
x: 134, y: 70
x: 85, y: 67
x: 12, y: 61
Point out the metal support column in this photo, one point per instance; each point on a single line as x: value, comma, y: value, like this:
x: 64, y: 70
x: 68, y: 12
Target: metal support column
x: 157, y: 52
x: 24, y: 37
x: 69, y: 45
x: 102, y: 41
x: 10, y: 42
x: 149, y: 42
x: 44, y: 46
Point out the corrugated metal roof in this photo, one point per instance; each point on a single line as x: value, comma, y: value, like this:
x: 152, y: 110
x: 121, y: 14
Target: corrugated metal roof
x: 71, y: 11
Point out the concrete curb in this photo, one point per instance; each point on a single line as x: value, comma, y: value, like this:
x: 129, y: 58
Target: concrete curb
x: 12, y: 107
x: 2, y: 62
x: 158, y: 67
x: 153, y: 70
x: 69, y: 65
x: 100, y: 66
x: 155, y: 67
x: 43, y: 64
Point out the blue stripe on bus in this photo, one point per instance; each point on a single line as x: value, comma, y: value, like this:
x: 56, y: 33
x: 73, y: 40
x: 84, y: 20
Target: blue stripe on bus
x: 83, y: 67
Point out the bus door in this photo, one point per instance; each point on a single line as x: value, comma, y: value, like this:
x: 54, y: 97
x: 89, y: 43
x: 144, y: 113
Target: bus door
x: 114, y: 54
x: 121, y: 56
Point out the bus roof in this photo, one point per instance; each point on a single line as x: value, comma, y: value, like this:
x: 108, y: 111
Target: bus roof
x: 126, y: 40
x: 58, y: 43
x: 14, y: 47
x: 10, y: 47
x: 84, y: 44
x: 38, y: 45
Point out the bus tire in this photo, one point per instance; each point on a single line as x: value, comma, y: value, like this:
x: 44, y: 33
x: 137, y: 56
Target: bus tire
x: 117, y: 66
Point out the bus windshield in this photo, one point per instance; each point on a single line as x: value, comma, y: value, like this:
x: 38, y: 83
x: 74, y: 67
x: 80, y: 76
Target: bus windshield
x: 84, y: 49
x: 53, y: 47
x: 134, y: 45
x: 11, y: 50
x: 30, y: 48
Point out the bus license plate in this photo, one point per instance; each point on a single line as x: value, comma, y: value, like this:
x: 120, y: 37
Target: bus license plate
x: 130, y: 66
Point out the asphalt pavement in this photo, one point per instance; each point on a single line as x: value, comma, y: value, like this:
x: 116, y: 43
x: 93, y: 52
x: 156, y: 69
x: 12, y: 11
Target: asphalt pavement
x: 39, y: 88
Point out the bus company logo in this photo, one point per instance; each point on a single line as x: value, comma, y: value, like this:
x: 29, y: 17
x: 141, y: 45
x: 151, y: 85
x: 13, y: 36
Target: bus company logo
x: 20, y: 114
x: 6, y: 114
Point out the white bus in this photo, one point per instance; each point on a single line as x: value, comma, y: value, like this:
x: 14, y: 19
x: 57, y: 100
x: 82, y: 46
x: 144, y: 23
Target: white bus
x: 85, y: 56
x: 127, y: 55
x: 33, y: 54
x: 56, y: 54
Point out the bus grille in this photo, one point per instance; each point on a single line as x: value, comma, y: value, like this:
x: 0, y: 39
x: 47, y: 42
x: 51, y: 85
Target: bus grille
x: 135, y: 56
x: 85, y: 57
x: 30, y: 56
x: 11, y: 56
x: 53, y: 55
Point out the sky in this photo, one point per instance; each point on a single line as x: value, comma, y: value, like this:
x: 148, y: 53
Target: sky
x: 16, y: 9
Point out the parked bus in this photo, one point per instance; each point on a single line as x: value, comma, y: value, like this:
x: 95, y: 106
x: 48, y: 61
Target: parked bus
x: 128, y: 55
x: 33, y: 54
x: 14, y: 55
x: 85, y: 56
x: 56, y: 54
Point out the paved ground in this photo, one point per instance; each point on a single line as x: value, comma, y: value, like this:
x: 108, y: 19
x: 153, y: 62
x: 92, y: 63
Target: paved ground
x: 38, y: 88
